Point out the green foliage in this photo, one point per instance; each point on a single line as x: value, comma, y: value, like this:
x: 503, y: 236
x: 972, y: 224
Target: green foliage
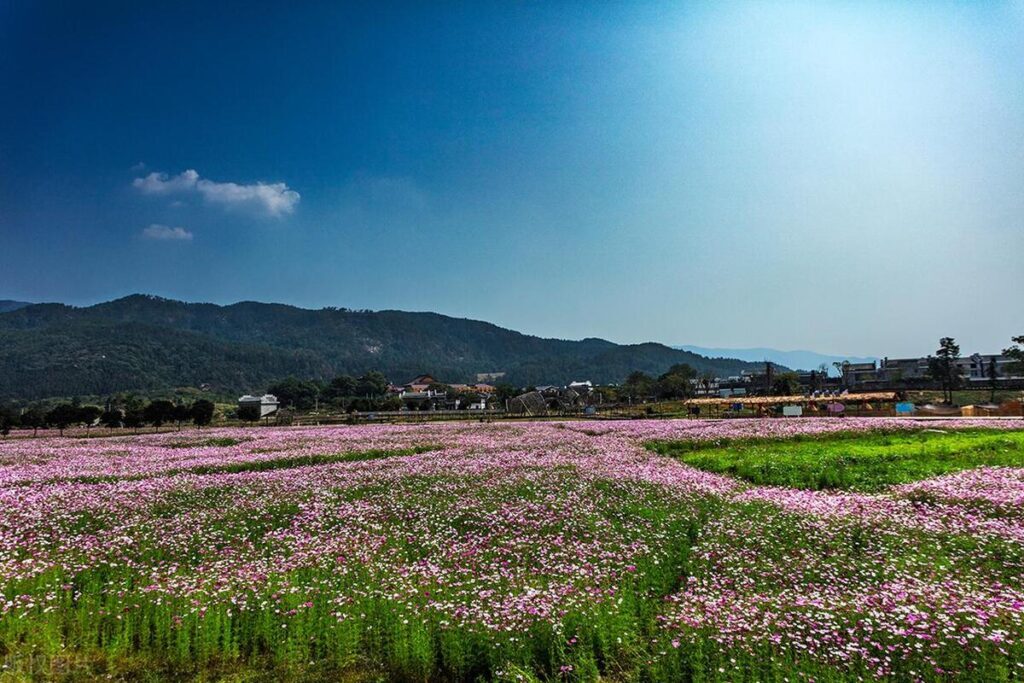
x: 863, y: 462
x: 675, y: 383
x: 112, y: 419
x: 248, y: 413
x: 157, y: 413
x: 942, y: 367
x: 296, y: 393
x: 202, y: 412
x: 372, y: 385
x: 62, y: 416
x: 1016, y: 352
x: 638, y: 385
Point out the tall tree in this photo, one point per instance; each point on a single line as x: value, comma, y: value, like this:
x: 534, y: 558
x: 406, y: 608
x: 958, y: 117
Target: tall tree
x: 340, y: 388
x: 676, y: 382
x: 786, y: 384
x: 10, y: 417
x: 88, y: 415
x: 134, y: 417
x: 943, y: 367
x: 638, y: 385
x: 993, y: 379
x: 62, y: 416
x: 372, y: 385
x: 202, y: 412
x: 112, y: 419
x: 34, y: 418
x: 158, y: 412
x: 181, y: 413
x: 295, y: 393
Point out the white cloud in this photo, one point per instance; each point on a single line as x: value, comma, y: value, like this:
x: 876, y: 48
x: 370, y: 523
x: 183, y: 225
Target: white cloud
x: 273, y: 199
x: 159, y: 183
x: 165, y: 233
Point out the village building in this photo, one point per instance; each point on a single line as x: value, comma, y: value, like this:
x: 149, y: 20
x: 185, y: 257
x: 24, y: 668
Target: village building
x: 267, y: 404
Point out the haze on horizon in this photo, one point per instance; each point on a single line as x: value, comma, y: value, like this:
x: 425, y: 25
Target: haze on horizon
x: 844, y: 177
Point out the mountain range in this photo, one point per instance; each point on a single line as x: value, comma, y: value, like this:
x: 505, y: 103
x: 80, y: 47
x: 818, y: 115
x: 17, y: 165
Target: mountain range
x: 801, y: 360
x: 9, y: 305
x: 147, y: 343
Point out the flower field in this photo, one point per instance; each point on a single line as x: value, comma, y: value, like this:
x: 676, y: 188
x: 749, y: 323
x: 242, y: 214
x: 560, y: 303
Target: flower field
x: 515, y: 552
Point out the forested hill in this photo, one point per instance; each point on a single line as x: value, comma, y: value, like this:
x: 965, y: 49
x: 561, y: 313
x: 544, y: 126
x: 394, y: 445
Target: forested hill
x: 9, y: 305
x: 147, y: 343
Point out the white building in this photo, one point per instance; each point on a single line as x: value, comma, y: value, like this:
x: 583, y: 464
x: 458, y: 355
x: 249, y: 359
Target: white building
x: 267, y: 403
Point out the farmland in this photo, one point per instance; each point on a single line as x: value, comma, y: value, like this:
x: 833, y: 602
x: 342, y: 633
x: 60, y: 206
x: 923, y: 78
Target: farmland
x: 646, y: 550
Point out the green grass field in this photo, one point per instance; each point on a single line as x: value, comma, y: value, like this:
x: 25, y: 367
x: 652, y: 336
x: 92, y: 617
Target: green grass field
x: 858, y: 462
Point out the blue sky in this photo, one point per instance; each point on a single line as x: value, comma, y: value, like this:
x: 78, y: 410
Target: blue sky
x: 847, y: 177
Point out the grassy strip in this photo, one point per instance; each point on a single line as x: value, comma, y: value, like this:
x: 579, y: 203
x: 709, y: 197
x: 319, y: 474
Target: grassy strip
x: 861, y: 462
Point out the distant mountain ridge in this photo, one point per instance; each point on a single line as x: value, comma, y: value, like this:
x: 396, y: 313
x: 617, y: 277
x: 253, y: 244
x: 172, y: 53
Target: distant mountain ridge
x: 147, y: 343
x: 11, y: 305
x: 801, y: 360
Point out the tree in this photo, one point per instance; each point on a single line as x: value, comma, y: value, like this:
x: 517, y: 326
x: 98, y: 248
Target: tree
x: 201, y: 412
x: 296, y: 393
x: 340, y: 388
x: 249, y: 413
x: 843, y: 367
x: 1016, y: 353
x: 504, y: 392
x: 372, y: 385
x: 134, y: 417
x: 10, y: 417
x: 34, y: 418
x: 707, y: 380
x: 112, y: 419
x: 786, y: 384
x: 62, y: 416
x: 943, y: 368
x: 675, y: 382
x: 769, y: 376
x: 158, y: 412
x: 993, y: 379
x: 88, y: 415
x: 181, y: 413
x: 638, y: 385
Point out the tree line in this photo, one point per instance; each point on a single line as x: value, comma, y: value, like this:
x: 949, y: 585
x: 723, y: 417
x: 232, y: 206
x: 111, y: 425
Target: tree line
x: 133, y: 413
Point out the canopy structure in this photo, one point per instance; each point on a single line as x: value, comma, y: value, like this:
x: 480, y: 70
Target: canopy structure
x: 876, y: 396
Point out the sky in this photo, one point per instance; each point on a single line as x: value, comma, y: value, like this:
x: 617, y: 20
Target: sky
x: 846, y: 177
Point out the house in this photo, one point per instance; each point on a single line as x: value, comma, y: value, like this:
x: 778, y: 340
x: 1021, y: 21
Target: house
x: 266, y: 404
x: 976, y: 367
x: 856, y: 374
